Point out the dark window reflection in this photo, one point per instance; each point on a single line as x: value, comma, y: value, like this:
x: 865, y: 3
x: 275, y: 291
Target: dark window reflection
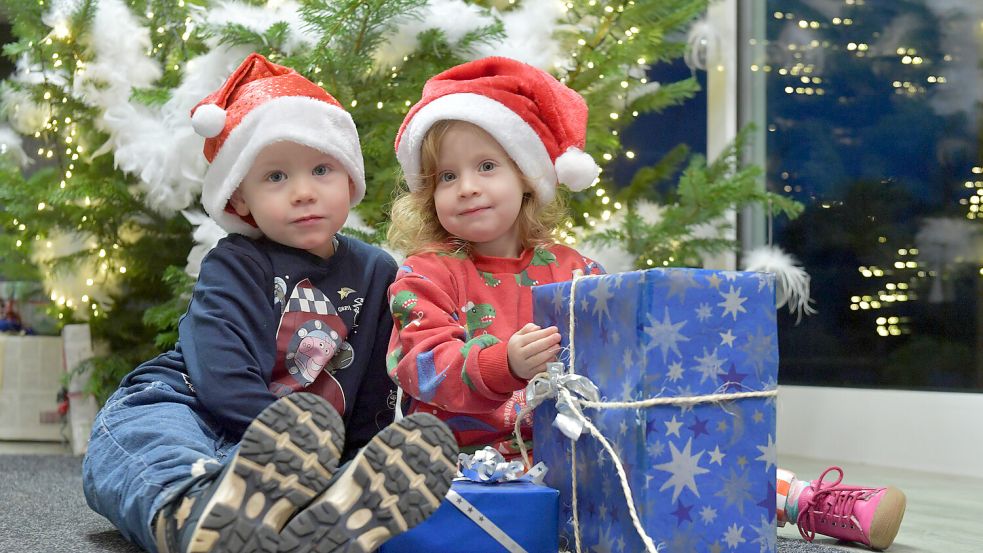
x: 874, y: 122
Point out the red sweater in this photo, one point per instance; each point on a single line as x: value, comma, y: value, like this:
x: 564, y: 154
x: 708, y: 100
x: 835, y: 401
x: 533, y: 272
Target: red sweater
x: 454, y: 315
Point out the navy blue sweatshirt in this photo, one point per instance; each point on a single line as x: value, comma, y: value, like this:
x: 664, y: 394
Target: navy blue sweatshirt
x: 266, y: 320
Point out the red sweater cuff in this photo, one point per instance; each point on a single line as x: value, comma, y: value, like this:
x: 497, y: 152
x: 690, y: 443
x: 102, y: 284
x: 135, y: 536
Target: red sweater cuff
x: 493, y: 364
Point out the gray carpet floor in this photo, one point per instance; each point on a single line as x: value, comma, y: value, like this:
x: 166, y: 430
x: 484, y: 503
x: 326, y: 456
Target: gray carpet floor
x: 42, y: 510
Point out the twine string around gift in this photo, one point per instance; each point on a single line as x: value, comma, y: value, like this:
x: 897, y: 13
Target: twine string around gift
x: 574, y: 392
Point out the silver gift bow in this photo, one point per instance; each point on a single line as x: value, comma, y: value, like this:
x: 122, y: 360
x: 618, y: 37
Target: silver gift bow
x: 487, y: 465
x: 567, y: 388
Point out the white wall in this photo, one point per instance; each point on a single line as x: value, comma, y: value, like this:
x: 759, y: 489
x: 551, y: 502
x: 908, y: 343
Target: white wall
x: 938, y: 432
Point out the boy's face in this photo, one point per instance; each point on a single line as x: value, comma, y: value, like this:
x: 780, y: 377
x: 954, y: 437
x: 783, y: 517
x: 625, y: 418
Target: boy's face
x: 479, y: 191
x: 297, y: 195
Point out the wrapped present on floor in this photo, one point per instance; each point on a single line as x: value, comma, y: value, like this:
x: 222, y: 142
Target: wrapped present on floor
x: 685, y: 363
x: 488, y: 511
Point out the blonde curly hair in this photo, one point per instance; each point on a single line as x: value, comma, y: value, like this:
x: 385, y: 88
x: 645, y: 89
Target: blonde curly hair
x: 414, y: 227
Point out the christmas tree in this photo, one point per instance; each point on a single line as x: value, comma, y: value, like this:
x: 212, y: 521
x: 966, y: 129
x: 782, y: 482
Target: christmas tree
x: 102, y: 170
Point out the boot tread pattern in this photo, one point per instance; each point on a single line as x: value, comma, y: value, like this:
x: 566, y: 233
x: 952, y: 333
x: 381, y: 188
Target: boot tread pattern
x: 393, y: 484
x: 271, y: 477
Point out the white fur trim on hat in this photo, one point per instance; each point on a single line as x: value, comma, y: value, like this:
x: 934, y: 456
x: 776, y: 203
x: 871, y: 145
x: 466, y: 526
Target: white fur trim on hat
x: 515, y: 136
x: 576, y: 169
x: 208, y: 120
x: 313, y: 123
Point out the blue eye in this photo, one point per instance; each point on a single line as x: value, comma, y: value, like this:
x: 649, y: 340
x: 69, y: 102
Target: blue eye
x: 276, y: 176
x: 320, y: 170
x: 446, y: 176
x: 487, y: 166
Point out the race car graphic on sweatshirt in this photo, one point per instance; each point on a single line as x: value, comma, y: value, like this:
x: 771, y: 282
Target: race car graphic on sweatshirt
x: 311, y: 346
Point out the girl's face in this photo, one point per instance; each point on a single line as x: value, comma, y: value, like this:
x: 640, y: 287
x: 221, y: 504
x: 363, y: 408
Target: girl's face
x: 298, y: 196
x: 478, y: 192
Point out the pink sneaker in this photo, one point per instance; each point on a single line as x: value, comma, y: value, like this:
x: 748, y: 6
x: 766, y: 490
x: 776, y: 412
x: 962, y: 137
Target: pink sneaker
x: 870, y: 516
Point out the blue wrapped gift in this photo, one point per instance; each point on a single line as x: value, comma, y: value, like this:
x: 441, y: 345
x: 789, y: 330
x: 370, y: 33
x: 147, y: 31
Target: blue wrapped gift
x: 525, y: 511
x: 701, y: 473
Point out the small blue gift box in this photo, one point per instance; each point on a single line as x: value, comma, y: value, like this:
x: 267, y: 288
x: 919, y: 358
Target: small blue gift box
x: 526, y: 512
x: 702, y: 474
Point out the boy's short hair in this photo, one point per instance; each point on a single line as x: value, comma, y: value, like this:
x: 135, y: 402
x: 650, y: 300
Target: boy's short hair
x: 262, y: 103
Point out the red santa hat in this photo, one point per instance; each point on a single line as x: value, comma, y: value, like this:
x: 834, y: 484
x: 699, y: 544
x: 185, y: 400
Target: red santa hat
x: 262, y: 103
x: 539, y: 121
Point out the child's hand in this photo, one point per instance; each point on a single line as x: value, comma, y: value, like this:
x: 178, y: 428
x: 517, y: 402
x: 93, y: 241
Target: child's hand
x: 530, y: 348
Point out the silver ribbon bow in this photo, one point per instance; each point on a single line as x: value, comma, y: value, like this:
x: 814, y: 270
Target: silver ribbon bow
x: 488, y: 465
x: 566, y: 388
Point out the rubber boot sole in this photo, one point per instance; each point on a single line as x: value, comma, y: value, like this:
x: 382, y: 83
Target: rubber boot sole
x: 395, y: 482
x: 887, y: 519
x: 286, y: 458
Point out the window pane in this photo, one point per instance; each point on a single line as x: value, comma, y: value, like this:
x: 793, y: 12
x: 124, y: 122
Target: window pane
x: 873, y: 121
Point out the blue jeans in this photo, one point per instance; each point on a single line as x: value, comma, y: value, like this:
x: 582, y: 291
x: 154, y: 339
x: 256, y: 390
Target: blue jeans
x: 144, y: 443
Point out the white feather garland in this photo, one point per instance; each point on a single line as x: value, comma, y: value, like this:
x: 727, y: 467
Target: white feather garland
x: 12, y: 146
x: 260, y: 18
x: 792, y: 282
x: 207, y: 233
x: 529, y: 30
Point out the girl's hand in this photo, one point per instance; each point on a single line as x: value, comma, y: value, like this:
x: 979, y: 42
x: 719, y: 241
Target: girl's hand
x: 530, y: 348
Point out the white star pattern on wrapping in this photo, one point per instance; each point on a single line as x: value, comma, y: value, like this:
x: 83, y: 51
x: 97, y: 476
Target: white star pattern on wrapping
x: 559, y: 301
x: 626, y: 358
x: 655, y: 449
x: 716, y: 456
x: 709, y: 365
x: 699, y: 344
x: 604, y: 541
x: 672, y: 427
x: 768, y: 453
x: 703, y: 312
x: 684, y: 468
x: 627, y: 388
x: 766, y: 539
x: 675, y: 371
x: 733, y: 302
x: 679, y: 282
x: 734, y: 536
x: 664, y: 335
x: 601, y: 296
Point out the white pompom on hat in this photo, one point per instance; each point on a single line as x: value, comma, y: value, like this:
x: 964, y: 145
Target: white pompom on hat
x: 538, y: 120
x: 262, y: 103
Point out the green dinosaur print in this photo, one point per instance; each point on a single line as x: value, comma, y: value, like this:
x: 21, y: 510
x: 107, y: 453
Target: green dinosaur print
x: 543, y: 257
x: 478, y: 316
x: 402, y: 306
x: 392, y: 359
x: 481, y: 342
x: 522, y: 279
x: 490, y: 279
